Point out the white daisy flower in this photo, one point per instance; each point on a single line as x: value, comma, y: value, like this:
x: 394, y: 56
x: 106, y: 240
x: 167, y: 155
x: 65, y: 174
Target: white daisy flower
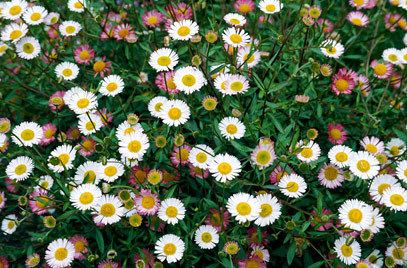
x: 248, y: 57
x: 234, y: 19
x: 401, y: 170
x: 183, y: 30
x: 134, y: 146
x: 399, y: 254
x: 88, y: 172
x: 220, y: 82
x: 174, y: 112
x: 225, y: 167
x: 89, y: 123
x: 20, y: 168
x: 3, y: 48
x: 111, y: 85
x: 372, y: 145
x: 77, y: 5
x: 169, y: 248
x: 108, y: 210
x: 392, y: 55
x: 395, y: 198
x: 60, y: 253
x: 9, y: 224
x: 358, y: 4
x: 270, y: 210
x: 292, y: 185
x: 375, y: 259
x: 395, y: 147
x: 309, y: 152
x: 155, y: 105
x: 66, y: 154
x: 206, y: 237
x: 332, y: 49
x: 244, y: 207
x: 270, y: 6
x: 364, y: 165
x: 330, y: 176
x: 35, y: 15
x: 14, y: 9
x: 52, y: 18
x: 263, y: 155
x: 235, y: 37
x: 163, y: 59
x: 377, y: 222
x: 125, y: 129
x: 355, y: 214
x: 380, y: 184
x: 231, y: 128
x: 85, y: 196
x: 14, y: 32
x: 403, y: 54
x: 189, y: 79
x: 112, y: 170
x: 27, y: 134
x: 348, y: 252
x: 81, y: 101
x: 171, y: 211
x: 340, y: 155
x: 28, y: 48
x: 46, y: 182
x: 236, y: 84
x: 201, y: 155
x: 69, y: 28
x: 67, y: 70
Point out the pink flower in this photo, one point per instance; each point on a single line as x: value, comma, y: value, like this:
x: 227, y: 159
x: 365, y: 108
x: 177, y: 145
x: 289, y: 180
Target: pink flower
x: 124, y: 31
x: 391, y: 21
x: 11, y: 185
x: 165, y: 82
x: 381, y: 70
x: 108, y: 264
x: 102, y: 67
x: 138, y: 175
x: 327, y: 25
x: 84, y: 54
x: 40, y: 203
x: 364, y: 84
x: 344, y: 81
x: 219, y: 219
x: 343, y: 231
x: 147, y: 257
x: 152, y: 18
x: 357, y: 4
x: 80, y: 243
x: 337, y: 134
x: 56, y: 100
x: 52, y: 32
x: 322, y: 220
x: 105, y: 116
x: 49, y: 131
x: 252, y: 262
x: 395, y: 80
x: 244, y: 6
x: 87, y: 146
x: 198, y: 172
x: 180, y: 12
x: 73, y: 133
x: 3, y: 262
x: 3, y: 200
x: 147, y: 203
x: 180, y: 155
x: 277, y: 173
x: 107, y: 32
x: 370, y: 4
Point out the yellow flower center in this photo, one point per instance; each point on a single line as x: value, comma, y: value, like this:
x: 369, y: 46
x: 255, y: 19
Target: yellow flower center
x: 170, y: 249
x: 357, y: 21
x: 15, y: 10
x: 70, y: 29
x: 20, y: 169
x: 231, y: 129
x: 393, y: 57
x: 331, y: 173
x: 243, y: 208
x: 10, y: 225
x: 107, y: 210
x: 79, y: 246
x: 341, y: 85
x: 110, y: 171
x: 292, y: 186
x: 383, y: 187
x: 336, y: 134
x: 84, y: 55
x: 371, y: 148
x: 244, y: 8
x: 123, y: 33
x: 174, y: 113
x: 224, y: 168
x: 234, y: 21
x: 363, y: 165
x: 135, y: 220
x: 64, y: 158
x: 266, y: 210
x: 49, y: 133
x: 235, y: 38
x: 250, y: 60
x: 67, y: 72
x: 355, y: 215
x: 201, y: 157
x: 206, y: 237
x: 152, y: 20
x: 359, y: 3
x: 263, y: 157
x: 99, y: 66
x: 15, y: 34
x: 90, y: 175
x: 61, y: 254
x: 188, y: 80
x: 35, y: 16
x: 380, y: 69
x: 3, y: 48
x: 341, y: 157
x: 236, y: 86
x: 270, y: 8
x: 398, y: 253
x: 395, y: 150
x: 148, y: 202
x: 331, y: 50
x: 86, y: 198
x: 134, y: 146
x: 78, y: 5
x: 347, y: 251
x: 171, y: 212
x: 306, y: 152
x: 27, y: 134
x: 183, y: 31
x: 112, y: 86
x: 397, y: 199
x: 164, y: 61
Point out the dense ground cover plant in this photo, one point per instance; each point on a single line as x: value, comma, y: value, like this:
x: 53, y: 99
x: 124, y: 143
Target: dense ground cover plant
x: 203, y: 133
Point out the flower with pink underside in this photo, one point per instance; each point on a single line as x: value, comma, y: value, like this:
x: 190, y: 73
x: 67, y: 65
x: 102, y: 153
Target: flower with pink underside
x: 3, y: 200
x: 155, y: 224
x: 337, y: 134
x: 73, y: 133
x: 40, y: 202
x: 138, y: 175
x: 81, y: 246
x: 84, y: 54
x: 49, y: 131
x: 3, y: 262
x: 102, y: 67
x: 56, y: 100
x: 343, y: 231
x: 87, y: 146
x: 251, y: 262
x: 108, y: 264
x: 381, y: 70
x: 244, y: 6
x: 152, y: 18
x: 198, y: 172
x: 344, y: 81
x: 124, y: 31
x: 147, y: 203
x: 107, y: 32
x: 105, y: 116
x: 180, y: 12
x: 323, y: 221
x: 165, y: 82
x: 219, y: 219
x: 395, y: 80
x: 327, y: 25
x: 11, y: 185
x: 147, y: 258
x: 180, y: 155
x: 331, y: 176
x: 277, y: 173
x: 364, y: 84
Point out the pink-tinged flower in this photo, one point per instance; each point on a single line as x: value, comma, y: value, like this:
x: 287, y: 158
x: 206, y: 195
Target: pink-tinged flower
x: 138, y: 175
x: 180, y: 12
x: 198, y: 172
x: 260, y: 252
x: 180, y: 155
x: 262, y: 19
x: 253, y: 237
x: 371, y: 4
x: 357, y: 18
x: 105, y: 116
x: 108, y: 264
x: 124, y: 31
x: 337, y: 134
x: 165, y: 82
x: 81, y: 246
x: 152, y: 18
x: 3, y: 262
x: 155, y: 224
x: 87, y: 146
x: 114, y: 17
x: 391, y: 21
x: 84, y: 54
x: 358, y: 4
x: 40, y: 202
x: 327, y: 25
x: 219, y: 219
x: 147, y: 203
x: 344, y: 81
x: 108, y: 31
x: 73, y: 133
x: 343, y: 231
x: 244, y: 6
x: 364, y: 85
x: 53, y: 33
x: 11, y: 185
x: 146, y: 257
x: 395, y: 80
x: 102, y: 67
x: 56, y: 101
x: 323, y: 221
x: 331, y: 176
x: 48, y: 136
x: 381, y: 70
x: 50, y: 57
x: 3, y: 200
x: 276, y: 175
x: 98, y: 223
x: 251, y: 262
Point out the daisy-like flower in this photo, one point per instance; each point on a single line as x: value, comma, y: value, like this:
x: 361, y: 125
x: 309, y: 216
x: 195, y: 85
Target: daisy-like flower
x: 372, y: 145
x: 201, y: 155
x: 231, y: 128
x: 189, y: 79
x: 69, y: 28
x: 263, y: 156
x: 77, y: 5
x: 337, y: 134
x: 27, y: 134
x: 169, y: 248
x: 14, y: 32
x: 147, y: 203
x: 398, y: 254
x: 292, y: 185
x: 9, y: 224
x: 332, y: 49
x: 111, y: 85
x: 46, y: 182
x: 108, y: 210
x: 163, y: 59
x: 377, y: 221
x: 330, y: 176
x: 89, y: 123
x: 344, y: 81
x: 60, y: 253
x: 3, y: 200
x: 125, y: 32
x: 35, y: 15
x: 49, y: 131
x: 236, y: 84
x: 395, y: 147
x: 81, y: 246
x: 381, y: 70
x: 134, y: 146
x: 234, y: 19
x: 375, y: 259
x: 40, y: 201
x: 112, y: 170
x: 380, y: 184
x: 270, y: 210
x: 403, y: 54
x: 401, y: 170
x: 358, y: 4
x: 183, y: 30
x: 220, y: 82
x: 65, y: 154
x: 80, y: 101
x: 244, y: 207
x: 235, y: 37
x: 395, y: 198
x: 85, y: 196
x: 355, y: 214
x: 155, y: 105
x: 340, y: 155
x: 249, y: 57
x: 206, y: 237
x: 125, y: 129
x: 171, y: 210
x: 84, y: 54
x: 357, y: 18
x: 52, y: 18
x: 270, y: 6
x: 165, y: 82
x: 88, y: 172
x: 244, y: 6
x: 67, y: 70
x: 3, y: 48
x: 225, y: 167
x: 14, y: 9
x: 348, y: 253
x: 174, y: 112
x: 364, y: 165
x: 28, y: 48
x: 309, y: 152
x: 152, y: 18
x: 392, y: 55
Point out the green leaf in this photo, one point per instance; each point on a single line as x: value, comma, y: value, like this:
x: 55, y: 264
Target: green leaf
x: 99, y: 241
x: 316, y: 264
x: 291, y: 253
